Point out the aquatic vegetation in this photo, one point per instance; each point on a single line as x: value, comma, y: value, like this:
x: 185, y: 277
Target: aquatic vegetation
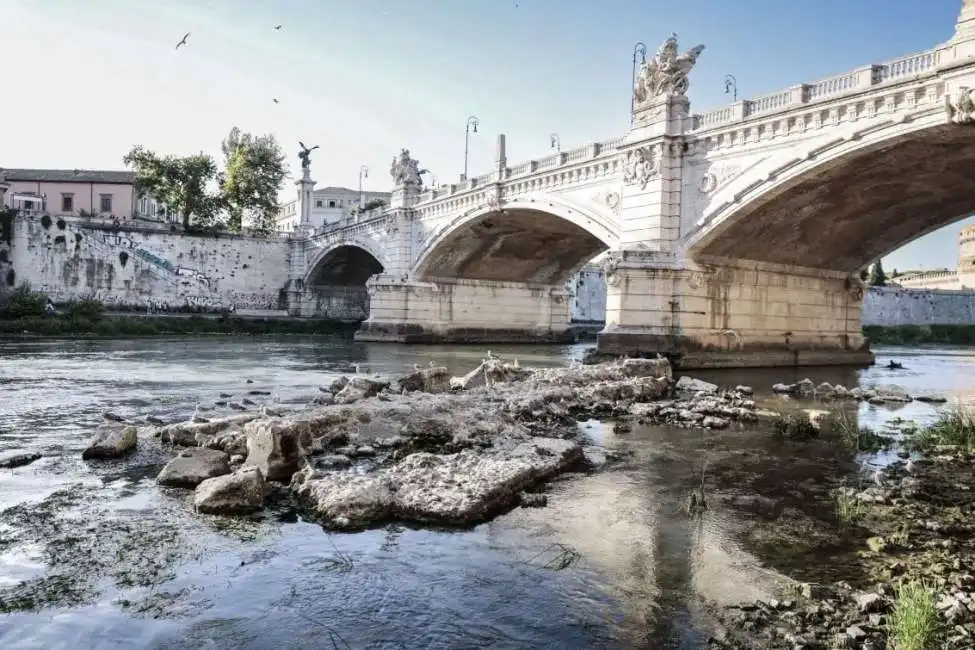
x: 914, y: 622
x: 844, y: 426
x: 795, y: 426
x: 849, y: 510
x: 955, y: 426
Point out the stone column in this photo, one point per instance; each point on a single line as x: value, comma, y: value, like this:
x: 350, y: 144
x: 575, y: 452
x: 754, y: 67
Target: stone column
x: 305, y: 187
x: 4, y: 186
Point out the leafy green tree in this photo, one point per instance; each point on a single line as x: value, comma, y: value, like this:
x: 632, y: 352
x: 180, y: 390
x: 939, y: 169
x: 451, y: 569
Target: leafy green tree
x: 179, y: 181
x: 877, y: 276
x: 254, y: 168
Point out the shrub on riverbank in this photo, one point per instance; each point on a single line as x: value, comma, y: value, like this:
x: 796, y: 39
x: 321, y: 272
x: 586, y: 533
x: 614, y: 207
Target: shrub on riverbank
x: 22, y: 302
x: 920, y: 334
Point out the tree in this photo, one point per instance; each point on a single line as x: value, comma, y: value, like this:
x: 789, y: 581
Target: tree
x: 180, y: 182
x: 877, y: 276
x: 254, y: 168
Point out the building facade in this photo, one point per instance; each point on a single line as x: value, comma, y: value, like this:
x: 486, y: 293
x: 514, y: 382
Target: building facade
x: 78, y: 192
x: 960, y: 279
x: 329, y: 205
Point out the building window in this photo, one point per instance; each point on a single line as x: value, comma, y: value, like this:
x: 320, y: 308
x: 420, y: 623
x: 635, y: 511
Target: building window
x: 106, y: 203
x: 318, y: 203
x: 331, y: 204
x: 67, y: 203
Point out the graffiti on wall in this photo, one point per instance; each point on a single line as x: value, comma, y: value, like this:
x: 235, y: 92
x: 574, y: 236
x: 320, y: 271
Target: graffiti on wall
x: 128, y: 244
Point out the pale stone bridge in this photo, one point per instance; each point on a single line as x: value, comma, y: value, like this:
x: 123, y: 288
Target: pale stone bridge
x: 736, y: 236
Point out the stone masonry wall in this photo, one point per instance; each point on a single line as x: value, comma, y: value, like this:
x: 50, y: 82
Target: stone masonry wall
x: 898, y: 306
x: 589, y: 290
x: 134, y: 268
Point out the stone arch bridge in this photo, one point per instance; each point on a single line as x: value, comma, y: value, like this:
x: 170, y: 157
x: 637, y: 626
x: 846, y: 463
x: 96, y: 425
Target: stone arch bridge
x: 734, y: 237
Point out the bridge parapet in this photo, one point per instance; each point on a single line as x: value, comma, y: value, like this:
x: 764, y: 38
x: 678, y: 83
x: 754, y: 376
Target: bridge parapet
x: 583, y: 164
x: 855, y: 82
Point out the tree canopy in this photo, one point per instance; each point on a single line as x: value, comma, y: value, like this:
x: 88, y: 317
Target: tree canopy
x: 193, y: 187
x: 877, y: 276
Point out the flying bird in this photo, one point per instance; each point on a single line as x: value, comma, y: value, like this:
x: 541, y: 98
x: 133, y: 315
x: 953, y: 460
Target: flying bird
x: 183, y: 42
x: 277, y: 27
x: 275, y: 100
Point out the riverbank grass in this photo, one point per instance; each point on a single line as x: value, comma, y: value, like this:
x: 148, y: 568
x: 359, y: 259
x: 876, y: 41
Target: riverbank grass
x: 844, y: 426
x: 914, y: 622
x: 954, y: 427
x: 849, y: 510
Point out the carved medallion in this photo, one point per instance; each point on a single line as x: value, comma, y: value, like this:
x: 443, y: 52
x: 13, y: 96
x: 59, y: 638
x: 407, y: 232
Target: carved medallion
x: 612, y: 200
x: 695, y: 280
x: 640, y: 167
x: 708, y: 182
x: 610, y: 265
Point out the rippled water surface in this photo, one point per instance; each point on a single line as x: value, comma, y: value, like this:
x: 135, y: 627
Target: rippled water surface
x: 134, y: 567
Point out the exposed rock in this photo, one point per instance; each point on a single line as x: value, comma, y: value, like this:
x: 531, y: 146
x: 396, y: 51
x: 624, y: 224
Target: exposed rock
x: 240, y: 492
x: 532, y: 500
x: 10, y: 461
x: 690, y: 384
x: 435, y: 379
x: 188, y: 434
x: 193, y: 466
x: 359, y: 388
x: 111, y: 442
x: 277, y: 447
x: 462, y: 488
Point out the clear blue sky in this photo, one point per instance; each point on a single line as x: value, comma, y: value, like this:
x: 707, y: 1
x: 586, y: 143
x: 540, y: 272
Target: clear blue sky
x: 85, y: 80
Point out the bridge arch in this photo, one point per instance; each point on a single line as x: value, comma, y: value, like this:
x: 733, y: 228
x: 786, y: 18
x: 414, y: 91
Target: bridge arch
x: 347, y: 263
x: 534, y: 238
x: 848, y: 201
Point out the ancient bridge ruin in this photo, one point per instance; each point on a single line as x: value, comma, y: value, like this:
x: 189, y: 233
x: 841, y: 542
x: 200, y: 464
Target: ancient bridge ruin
x: 735, y: 237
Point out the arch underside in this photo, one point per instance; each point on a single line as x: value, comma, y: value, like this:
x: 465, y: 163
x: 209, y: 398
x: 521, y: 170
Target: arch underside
x: 344, y: 266
x: 860, y: 207
x: 513, y: 245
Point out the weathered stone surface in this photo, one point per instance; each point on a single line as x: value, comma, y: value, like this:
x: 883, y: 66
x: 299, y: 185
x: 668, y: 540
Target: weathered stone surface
x: 193, y: 466
x: 359, y: 388
x: 460, y: 488
x: 238, y: 493
x: 189, y: 434
x: 111, y: 442
x: 277, y: 447
x: 435, y: 379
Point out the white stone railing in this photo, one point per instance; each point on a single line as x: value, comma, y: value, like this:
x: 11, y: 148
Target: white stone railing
x: 579, y: 155
x: 926, y: 276
x: 856, y: 81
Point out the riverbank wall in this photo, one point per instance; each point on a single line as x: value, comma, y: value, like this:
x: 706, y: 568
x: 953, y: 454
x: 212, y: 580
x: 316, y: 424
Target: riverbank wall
x: 143, y: 267
x: 897, y: 306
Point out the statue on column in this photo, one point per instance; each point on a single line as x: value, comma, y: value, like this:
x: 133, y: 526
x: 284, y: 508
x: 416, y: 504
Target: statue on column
x: 666, y: 73
x: 305, y: 156
x: 406, y: 170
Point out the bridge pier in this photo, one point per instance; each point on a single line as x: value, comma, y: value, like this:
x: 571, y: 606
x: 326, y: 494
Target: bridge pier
x: 723, y: 313
x: 465, y: 311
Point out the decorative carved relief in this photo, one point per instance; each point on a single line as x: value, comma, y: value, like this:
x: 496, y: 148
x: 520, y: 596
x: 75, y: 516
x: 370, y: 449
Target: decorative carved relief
x: 640, y: 167
x: 666, y: 73
x: 695, y: 280
x: 610, y: 265
x: 717, y: 176
x: 855, y: 286
x: 609, y: 199
x: 961, y: 105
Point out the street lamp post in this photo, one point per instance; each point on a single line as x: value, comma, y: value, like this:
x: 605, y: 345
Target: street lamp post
x: 640, y: 49
x: 363, y: 173
x: 731, y: 86
x: 555, y: 142
x: 471, y: 127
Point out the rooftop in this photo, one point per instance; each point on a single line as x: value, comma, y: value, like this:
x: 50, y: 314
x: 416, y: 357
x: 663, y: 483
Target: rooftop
x: 69, y: 176
x: 331, y: 189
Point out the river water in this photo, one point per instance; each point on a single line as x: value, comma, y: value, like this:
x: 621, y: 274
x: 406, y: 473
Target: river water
x: 106, y: 559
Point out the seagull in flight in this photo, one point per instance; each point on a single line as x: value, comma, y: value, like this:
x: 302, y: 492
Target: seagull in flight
x: 275, y: 100
x: 183, y: 42
x: 277, y: 27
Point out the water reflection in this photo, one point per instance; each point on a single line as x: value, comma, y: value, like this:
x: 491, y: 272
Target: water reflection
x: 644, y: 564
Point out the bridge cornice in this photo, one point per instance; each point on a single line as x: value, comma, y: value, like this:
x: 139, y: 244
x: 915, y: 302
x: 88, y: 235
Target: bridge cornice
x: 599, y: 224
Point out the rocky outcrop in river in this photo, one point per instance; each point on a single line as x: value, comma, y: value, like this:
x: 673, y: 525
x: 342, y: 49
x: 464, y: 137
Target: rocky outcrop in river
x: 429, y: 447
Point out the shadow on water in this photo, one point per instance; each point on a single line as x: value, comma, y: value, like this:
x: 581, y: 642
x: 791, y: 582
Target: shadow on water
x: 613, y: 561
